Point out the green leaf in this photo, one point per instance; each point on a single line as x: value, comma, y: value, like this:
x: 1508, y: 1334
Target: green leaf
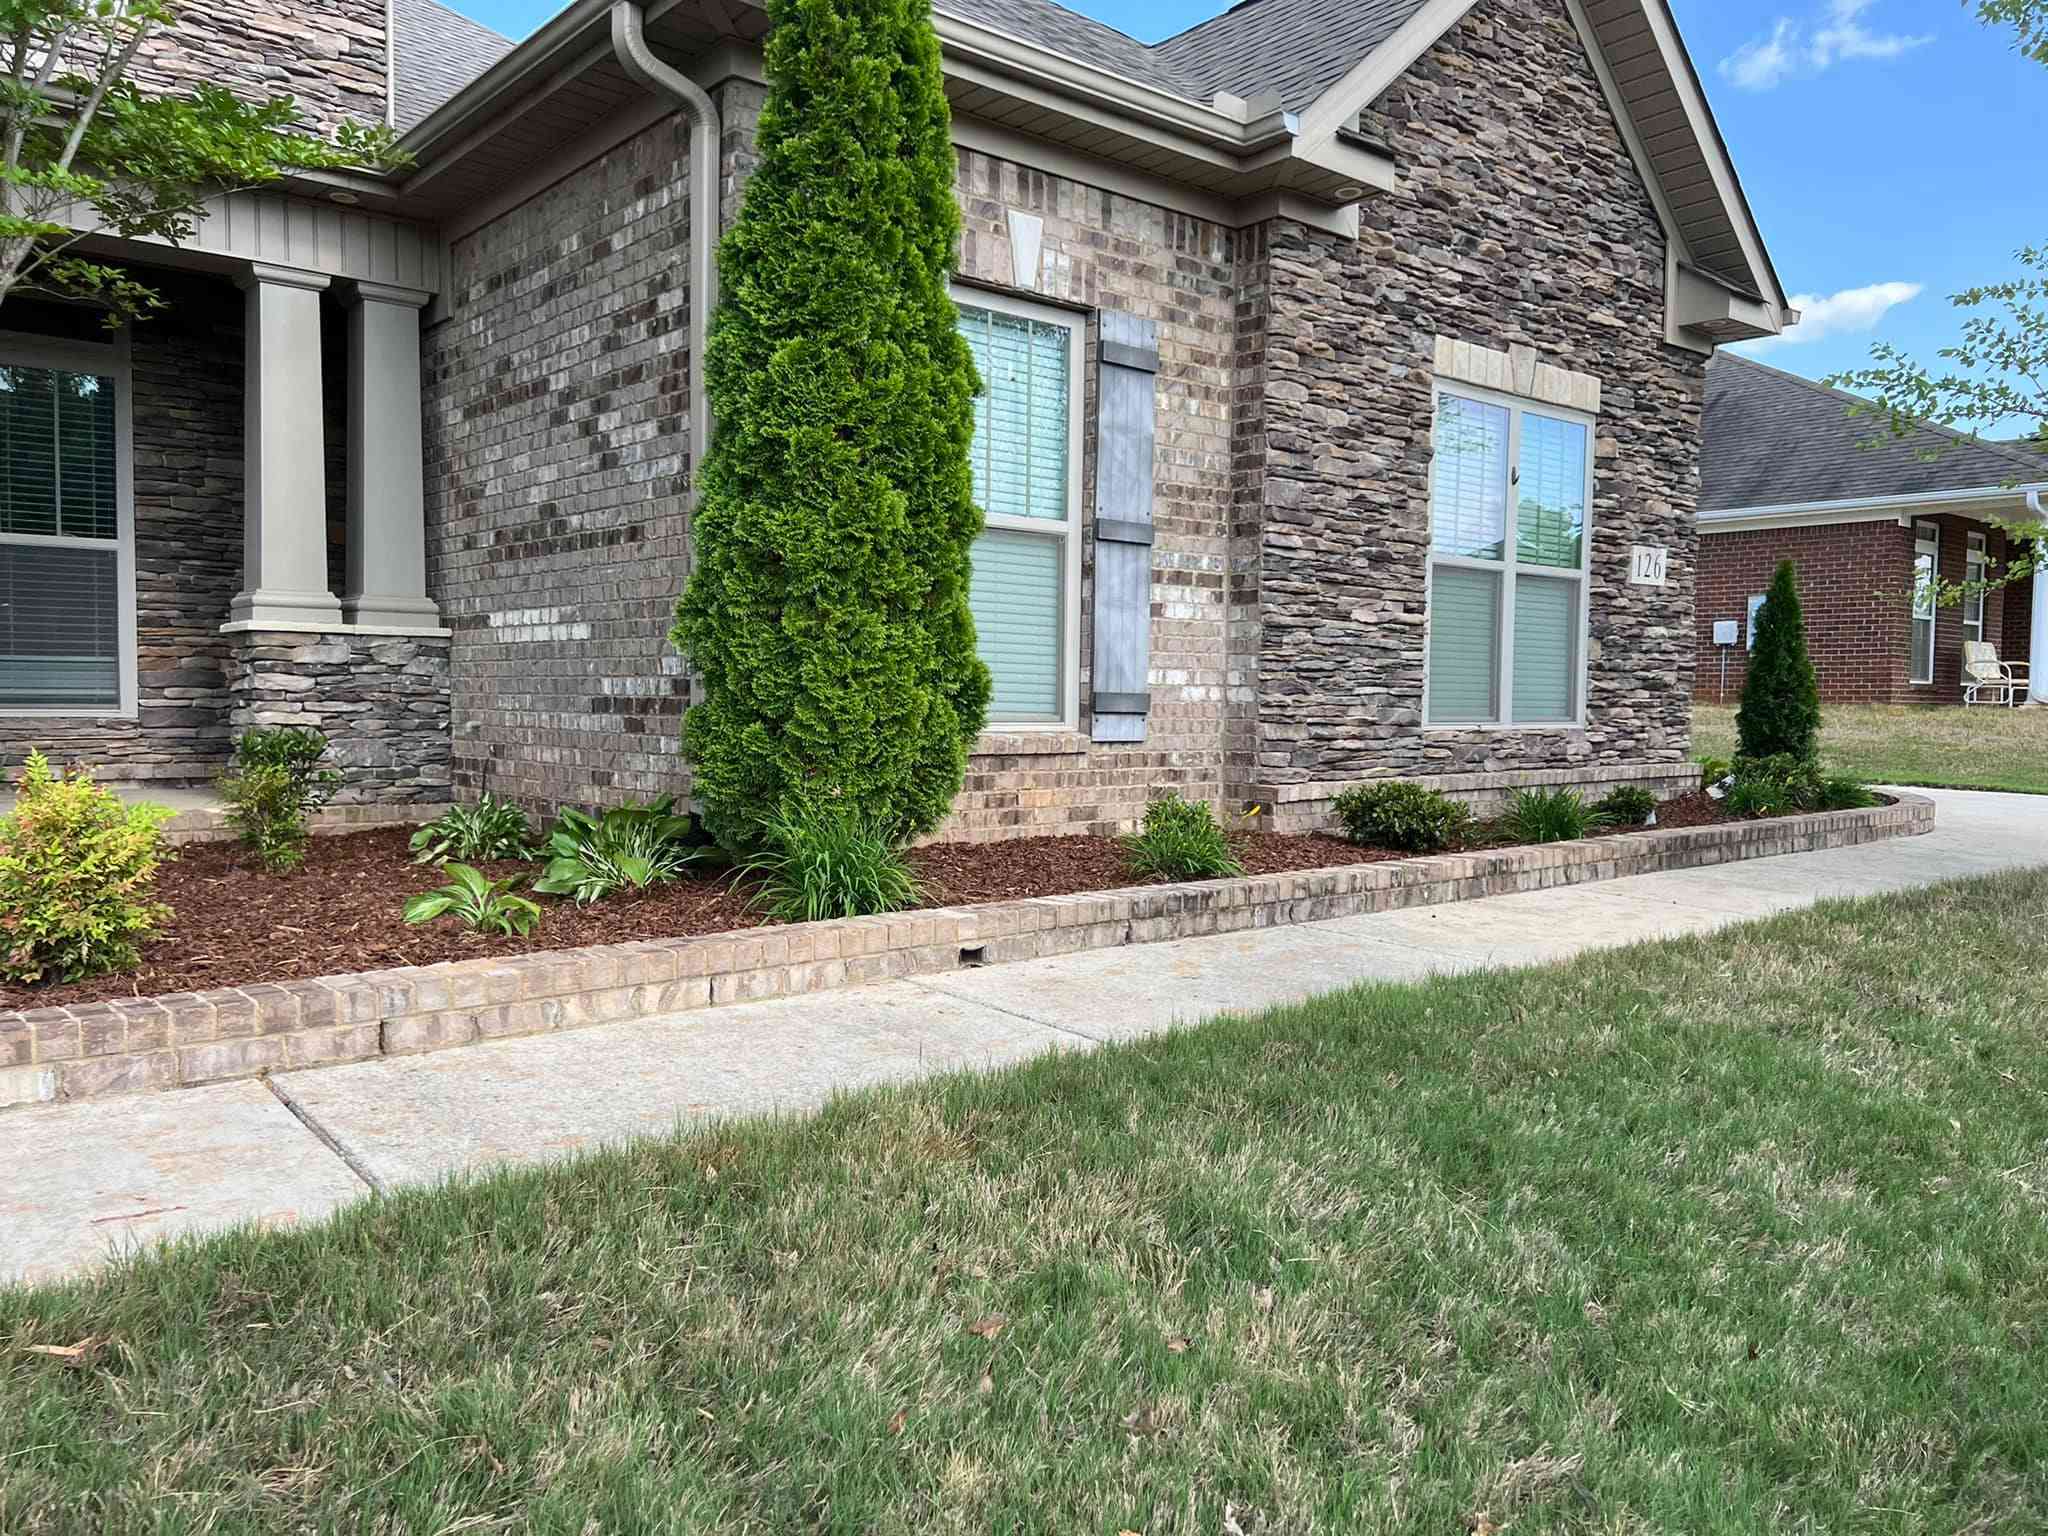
x: 424, y: 909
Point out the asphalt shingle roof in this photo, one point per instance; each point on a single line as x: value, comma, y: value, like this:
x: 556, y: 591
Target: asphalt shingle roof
x: 1775, y: 439
x: 1079, y: 37
x: 1299, y: 48
x: 437, y: 53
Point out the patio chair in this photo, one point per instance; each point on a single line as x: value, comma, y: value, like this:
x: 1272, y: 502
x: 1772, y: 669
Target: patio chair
x: 1987, y: 680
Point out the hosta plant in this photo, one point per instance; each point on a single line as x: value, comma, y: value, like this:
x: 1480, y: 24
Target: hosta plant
x: 478, y: 902
x: 490, y: 829
x: 630, y: 847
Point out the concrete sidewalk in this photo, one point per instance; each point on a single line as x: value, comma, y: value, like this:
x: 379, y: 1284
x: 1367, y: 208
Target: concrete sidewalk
x: 87, y: 1180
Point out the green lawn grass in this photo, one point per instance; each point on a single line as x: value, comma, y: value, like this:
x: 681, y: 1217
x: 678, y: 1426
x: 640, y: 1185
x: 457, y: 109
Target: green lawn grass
x: 1884, y: 744
x: 1738, y: 1234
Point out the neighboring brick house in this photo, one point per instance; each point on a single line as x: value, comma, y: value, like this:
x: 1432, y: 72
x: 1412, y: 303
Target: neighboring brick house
x: 1790, y: 474
x: 1397, y: 314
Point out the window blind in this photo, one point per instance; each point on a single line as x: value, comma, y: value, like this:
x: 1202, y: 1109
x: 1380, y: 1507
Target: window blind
x: 1469, y: 489
x: 1015, y: 594
x: 1021, y: 418
x: 1464, y: 656
x: 1546, y: 620
x: 60, y: 622
x: 1550, y: 516
x: 59, y: 626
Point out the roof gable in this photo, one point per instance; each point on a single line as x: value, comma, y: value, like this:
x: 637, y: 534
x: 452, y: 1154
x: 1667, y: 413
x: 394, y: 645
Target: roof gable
x: 1297, y: 48
x: 1774, y: 439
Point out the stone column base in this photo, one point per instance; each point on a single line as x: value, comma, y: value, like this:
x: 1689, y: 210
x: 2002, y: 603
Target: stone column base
x: 381, y: 700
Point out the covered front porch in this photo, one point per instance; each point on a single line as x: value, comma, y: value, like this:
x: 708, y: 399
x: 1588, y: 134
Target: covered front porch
x: 213, y: 518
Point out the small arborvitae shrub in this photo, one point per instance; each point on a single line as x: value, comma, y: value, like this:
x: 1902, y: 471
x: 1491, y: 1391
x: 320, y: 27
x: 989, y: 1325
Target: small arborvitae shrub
x: 478, y: 902
x: 1550, y: 816
x: 826, y: 860
x: 490, y: 829
x: 827, y: 607
x: 77, y: 878
x: 1630, y: 806
x: 1403, y: 816
x: 629, y: 847
x: 1180, y: 841
x: 1780, y: 713
x: 277, y: 781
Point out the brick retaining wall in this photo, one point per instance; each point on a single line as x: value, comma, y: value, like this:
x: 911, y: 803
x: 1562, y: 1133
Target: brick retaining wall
x: 187, y: 1039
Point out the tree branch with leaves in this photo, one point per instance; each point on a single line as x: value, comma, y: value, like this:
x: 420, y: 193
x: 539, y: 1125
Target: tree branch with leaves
x: 1996, y: 371
x: 87, y: 152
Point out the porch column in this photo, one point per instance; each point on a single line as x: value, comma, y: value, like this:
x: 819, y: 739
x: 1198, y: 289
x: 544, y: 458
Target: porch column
x: 2037, y: 625
x: 387, y: 526
x: 284, y: 487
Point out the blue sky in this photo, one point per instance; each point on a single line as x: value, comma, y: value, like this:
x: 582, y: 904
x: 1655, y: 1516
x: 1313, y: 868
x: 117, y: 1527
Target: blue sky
x: 1890, y: 148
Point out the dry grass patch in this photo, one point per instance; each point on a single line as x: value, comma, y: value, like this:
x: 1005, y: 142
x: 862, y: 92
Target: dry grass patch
x: 1740, y: 1234
x: 2005, y: 749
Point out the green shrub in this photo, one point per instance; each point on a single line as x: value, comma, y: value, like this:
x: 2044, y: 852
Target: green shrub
x: 1550, y: 816
x: 274, y: 786
x: 1630, y: 806
x: 591, y: 855
x: 490, y: 829
x: 826, y: 860
x: 1792, y: 783
x: 77, y: 878
x: 1780, y: 713
x: 1841, y: 793
x: 1403, y: 816
x: 481, y: 903
x: 1180, y: 841
x: 1759, y: 797
x: 827, y: 606
x: 1713, y: 770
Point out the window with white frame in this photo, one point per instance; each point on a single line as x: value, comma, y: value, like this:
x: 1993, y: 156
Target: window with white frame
x: 1025, y: 586
x: 1510, y: 498
x: 1926, y: 565
x: 66, y: 573
x: 1977, y: 564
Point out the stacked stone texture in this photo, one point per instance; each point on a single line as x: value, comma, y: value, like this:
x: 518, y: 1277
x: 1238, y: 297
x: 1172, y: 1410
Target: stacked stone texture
x: 327, y: 55
x: 1853, y: 584
x: 380, y: 700
x: 1520, y: 221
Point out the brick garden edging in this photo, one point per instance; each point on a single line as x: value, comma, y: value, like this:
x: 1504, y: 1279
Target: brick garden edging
x: 186, y: 1039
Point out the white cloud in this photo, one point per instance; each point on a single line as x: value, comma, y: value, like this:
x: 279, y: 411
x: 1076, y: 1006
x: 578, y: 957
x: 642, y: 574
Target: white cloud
x: 1793, y: 49
x: 1836, y: 314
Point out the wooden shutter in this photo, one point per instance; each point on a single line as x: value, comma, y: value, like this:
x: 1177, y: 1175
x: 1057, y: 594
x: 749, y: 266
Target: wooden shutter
x: 1126, y: 372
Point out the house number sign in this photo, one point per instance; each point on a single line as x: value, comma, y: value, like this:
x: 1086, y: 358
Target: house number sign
x: 1646, y: 565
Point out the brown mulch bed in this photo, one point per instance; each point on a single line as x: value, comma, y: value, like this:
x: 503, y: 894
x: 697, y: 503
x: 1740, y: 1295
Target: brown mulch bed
x: 234, y: 924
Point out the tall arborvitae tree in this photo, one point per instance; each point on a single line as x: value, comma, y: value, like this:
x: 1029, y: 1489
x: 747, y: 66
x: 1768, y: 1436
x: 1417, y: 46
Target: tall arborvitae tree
x: 1780, y: 710
x: 827, y: 609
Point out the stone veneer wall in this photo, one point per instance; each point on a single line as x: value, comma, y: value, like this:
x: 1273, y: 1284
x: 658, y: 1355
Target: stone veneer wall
x: 187, y: 364
x: 381, y: 701
x: 1520, y: 222
x: 328, y: 55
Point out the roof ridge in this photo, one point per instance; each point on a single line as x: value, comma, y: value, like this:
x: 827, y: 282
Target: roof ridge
x: 1968, y: 440
x: 1206, y: 21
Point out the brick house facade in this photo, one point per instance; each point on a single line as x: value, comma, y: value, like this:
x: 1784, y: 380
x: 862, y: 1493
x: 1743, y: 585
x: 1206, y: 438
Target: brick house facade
x: 1791, y: 475
x: 1485, y: 225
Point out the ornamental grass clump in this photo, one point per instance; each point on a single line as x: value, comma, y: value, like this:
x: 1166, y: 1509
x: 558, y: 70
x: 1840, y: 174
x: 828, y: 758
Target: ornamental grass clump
x: 1550, y: 816
x: 827, y: 609
x: 1180, y: 841
x: 77, y: 878
x: 825, y: 860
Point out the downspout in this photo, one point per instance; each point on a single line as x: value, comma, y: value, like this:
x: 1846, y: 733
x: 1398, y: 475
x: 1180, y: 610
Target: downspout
x: 2037, y: 649
x: 629, y: 42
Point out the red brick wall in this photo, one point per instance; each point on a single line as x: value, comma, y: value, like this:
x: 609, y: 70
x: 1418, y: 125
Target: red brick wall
x: 1853, y: 578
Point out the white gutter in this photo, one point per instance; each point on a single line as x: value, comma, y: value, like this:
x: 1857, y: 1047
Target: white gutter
x: 1858, y: 509
x: 629, y: 41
